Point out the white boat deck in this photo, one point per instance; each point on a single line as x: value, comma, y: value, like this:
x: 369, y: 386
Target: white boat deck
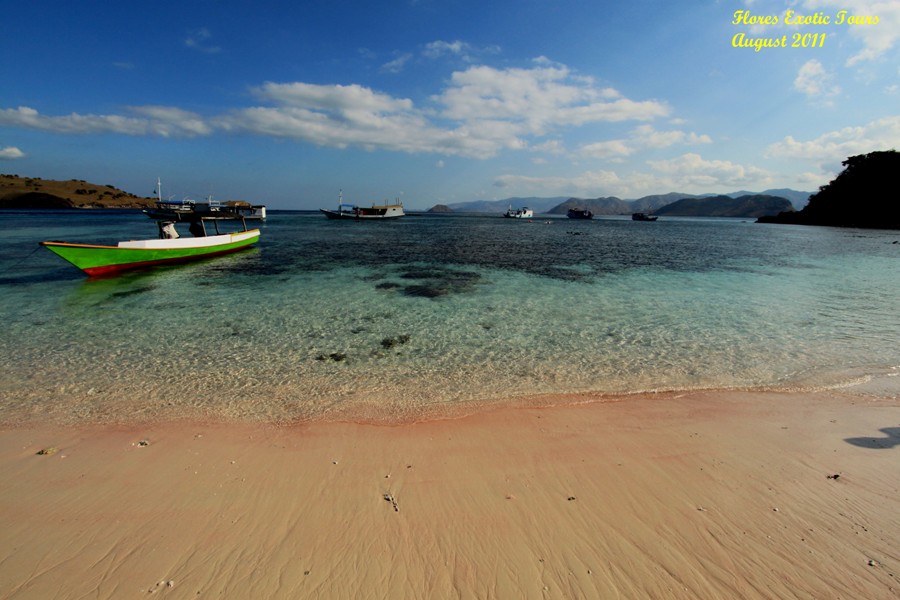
x: 190, y: 242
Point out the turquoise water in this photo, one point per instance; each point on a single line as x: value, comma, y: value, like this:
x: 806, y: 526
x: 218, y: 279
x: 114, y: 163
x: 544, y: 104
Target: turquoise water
x: 436, y: 315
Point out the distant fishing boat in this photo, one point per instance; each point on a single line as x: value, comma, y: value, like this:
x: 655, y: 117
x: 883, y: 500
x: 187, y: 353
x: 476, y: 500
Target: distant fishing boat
x: 168, y: 248
x: 639, y: 216
x: 579, y: 213
x: 519, y: 213
x: 352, y: 211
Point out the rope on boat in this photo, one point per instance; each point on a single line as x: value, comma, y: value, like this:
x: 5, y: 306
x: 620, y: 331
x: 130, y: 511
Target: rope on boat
x: 19, y: 262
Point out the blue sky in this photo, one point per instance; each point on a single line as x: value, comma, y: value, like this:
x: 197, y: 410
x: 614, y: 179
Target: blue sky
x: 443, y: 101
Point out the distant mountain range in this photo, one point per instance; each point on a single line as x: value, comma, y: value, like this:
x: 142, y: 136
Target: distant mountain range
x: 538, y: 205
x: 738, y: 204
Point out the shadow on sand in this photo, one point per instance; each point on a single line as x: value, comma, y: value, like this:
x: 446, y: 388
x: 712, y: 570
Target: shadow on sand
x: 892, y: 439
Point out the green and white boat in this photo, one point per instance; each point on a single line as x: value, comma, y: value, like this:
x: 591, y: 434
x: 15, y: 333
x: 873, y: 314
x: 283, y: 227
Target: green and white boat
x: 169, y: 248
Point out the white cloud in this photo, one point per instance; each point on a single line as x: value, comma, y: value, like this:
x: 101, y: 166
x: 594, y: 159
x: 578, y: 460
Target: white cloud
x: 538, y: 99
x: 441, y: 48
x: 814, y: 81
x: 350, y: 98
x: 808, y: 180
x: 608, y: 149
x: 642, y: 137
x: 396, y: 65
x: 11, y: 153
x: 438, y: 50
x: 170, y: 121
x: 198, y: 40
x: 153, y: 120
x: 587, y: 184
x: 835, y: 146
x: 693, y: 172
x: 689, y: 173
x: 459, y: 49
x: 877, y: 39
x: 549, y: 147
x: 343, y: 116
x: 876, y: 36
x: 481, y: 112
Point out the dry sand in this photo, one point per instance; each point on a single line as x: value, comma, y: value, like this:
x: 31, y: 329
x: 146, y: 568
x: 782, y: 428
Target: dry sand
x: 704, y: 495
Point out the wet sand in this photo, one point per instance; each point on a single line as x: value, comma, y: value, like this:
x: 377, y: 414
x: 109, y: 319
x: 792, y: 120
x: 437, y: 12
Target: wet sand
x: 701, y: 495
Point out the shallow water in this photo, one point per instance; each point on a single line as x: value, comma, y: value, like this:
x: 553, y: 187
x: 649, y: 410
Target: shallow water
x: 432, y: 315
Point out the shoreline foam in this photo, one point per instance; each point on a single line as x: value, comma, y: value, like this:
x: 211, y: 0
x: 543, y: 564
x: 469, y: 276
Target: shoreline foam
x: 694, y: 495
x: 108, y: 407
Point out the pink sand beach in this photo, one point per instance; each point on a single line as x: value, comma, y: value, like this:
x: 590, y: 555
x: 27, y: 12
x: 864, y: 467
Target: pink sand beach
x: 699, y: 495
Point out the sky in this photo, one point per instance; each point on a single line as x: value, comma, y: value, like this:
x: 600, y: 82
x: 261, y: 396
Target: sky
x: 443, y: 101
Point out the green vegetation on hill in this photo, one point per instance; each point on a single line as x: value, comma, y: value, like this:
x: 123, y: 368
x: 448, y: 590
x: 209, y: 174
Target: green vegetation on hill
x: 864, y: 194
x: 34, y: 192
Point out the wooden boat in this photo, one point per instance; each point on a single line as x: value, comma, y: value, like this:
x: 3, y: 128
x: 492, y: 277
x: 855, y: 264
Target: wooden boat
x: 376, y: 211
x: 137, y: 254
x: 190, y: 210
x: 579, y: 213
x: 352, y: 211
x: 186, y: 210
x: 168, y: 248
x: 639, y: 216
x: 519, y: 213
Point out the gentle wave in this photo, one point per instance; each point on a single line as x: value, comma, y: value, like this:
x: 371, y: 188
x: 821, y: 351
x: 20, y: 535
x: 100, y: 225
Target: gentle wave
x: 435, y: 316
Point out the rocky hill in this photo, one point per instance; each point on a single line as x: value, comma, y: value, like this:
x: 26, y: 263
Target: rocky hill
x: 34, y: 192
x: 798, y: 199
x: 864, y: 194
x: 649, y: 204
x: 754, y: 206
x: 598, y: 206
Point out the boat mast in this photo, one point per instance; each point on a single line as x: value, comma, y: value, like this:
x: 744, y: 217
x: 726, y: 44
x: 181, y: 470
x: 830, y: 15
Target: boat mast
x: 158, y: 189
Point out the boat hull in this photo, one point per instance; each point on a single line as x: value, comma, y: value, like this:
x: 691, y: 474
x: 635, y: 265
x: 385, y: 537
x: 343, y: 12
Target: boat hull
x: 98, y: 260
x: 521, y: 213
x: 377, y: 212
